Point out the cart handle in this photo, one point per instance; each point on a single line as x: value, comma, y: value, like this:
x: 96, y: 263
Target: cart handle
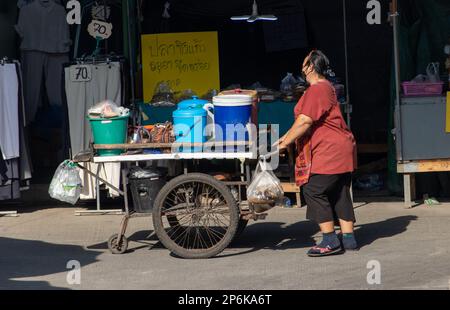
x: 268, y: 155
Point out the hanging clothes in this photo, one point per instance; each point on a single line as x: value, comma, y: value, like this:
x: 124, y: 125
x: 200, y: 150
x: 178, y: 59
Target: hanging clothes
x: 108, y: 171
x: 43, y: 27
x: 11, y: 189
x: 13, y: 144
x: 45, y: 45
x: 9, y: 112
x: 22, y: 3
x: 38, y: 66
x: 3, y: 170
x: 26, y: 168
x: 105, y: 84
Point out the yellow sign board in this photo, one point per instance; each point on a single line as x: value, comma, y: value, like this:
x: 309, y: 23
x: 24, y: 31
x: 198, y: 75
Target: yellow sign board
x: 183, y: 60
x: 447, y: 123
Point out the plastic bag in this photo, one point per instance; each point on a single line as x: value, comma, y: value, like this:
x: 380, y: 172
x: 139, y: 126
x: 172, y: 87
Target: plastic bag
x: 210, y: 94
x: 163, y: 95
x: 66, y: 183
x: 107, y: 109
x: 147, y: 173
x: 420, y: 79
x: 288, y: 83
x: 433, y: 72
x: 265, y: 188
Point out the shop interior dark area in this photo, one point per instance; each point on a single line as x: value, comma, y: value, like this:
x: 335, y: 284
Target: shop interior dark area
x: 257, y: 55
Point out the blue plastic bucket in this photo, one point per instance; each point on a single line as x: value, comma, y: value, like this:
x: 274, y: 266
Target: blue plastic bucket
x: 232, y: 114
x: 189, y: 127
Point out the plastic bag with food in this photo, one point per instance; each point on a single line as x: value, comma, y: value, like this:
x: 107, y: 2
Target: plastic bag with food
x: 265, y: 189
x: 163, y: 95
x: 107, y: 109
x: 288, y: 83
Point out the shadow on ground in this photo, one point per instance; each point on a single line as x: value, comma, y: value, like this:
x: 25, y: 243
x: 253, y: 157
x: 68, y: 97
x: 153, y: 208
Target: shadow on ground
x: 300, y: 235
x: 29, y: 258
x: 279, y: 236
x: 145, y: 239
x: 368, y: 233
x: 38, y: 198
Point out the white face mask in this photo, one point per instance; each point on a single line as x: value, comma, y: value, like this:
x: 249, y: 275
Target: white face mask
x: 447, y: 49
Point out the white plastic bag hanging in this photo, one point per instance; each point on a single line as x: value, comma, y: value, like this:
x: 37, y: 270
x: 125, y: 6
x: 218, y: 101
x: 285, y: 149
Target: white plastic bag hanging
x: 433, y: 72
x: 265, y: 188
x: 66, y: 183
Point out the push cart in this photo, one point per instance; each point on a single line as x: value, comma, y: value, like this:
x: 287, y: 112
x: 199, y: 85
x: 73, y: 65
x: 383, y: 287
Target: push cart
x: 194, y: 215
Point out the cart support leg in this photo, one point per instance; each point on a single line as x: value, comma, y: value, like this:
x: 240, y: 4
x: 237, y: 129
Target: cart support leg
x: 125, y: 191
x: 97, y: 186
x: 123, y: 227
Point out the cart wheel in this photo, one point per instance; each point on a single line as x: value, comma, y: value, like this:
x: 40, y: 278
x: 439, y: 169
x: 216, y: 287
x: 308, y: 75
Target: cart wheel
x: 116, y: 248
x: 195, y: 216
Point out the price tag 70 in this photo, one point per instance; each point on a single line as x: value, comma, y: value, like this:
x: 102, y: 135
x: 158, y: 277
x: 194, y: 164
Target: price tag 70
x: 99, y: 29
x: 80, y: 73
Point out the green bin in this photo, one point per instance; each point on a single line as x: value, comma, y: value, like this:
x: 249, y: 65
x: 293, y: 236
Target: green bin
x: 109, y: 131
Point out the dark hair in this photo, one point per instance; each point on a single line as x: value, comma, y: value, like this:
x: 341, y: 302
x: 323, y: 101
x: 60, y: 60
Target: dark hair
x: 319, y: 62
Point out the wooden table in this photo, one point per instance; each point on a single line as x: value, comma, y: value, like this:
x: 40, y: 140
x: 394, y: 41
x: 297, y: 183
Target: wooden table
x: 410, y: 168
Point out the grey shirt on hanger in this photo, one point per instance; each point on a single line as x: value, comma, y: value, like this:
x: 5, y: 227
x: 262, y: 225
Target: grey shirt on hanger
x: 43, y: 27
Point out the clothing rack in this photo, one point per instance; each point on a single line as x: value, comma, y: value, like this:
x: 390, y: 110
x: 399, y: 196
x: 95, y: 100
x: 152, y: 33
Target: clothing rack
x: 6, y: 60
x: 98, y: 59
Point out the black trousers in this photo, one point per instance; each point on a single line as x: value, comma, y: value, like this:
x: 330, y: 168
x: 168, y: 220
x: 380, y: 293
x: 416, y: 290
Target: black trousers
x: 328, y: 198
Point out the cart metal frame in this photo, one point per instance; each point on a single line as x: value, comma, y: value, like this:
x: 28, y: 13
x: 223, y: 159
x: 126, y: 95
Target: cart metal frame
x: 244, y: 158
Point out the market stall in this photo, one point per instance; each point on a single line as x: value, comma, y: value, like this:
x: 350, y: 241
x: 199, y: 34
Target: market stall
x: 109, y: 135
x: 421, y: 133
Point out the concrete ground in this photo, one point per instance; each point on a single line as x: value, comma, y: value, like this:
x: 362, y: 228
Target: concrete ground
x: 411, y: 247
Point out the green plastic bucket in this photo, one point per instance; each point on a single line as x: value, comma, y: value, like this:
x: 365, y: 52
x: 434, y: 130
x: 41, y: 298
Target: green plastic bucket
x: 109, y: 131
